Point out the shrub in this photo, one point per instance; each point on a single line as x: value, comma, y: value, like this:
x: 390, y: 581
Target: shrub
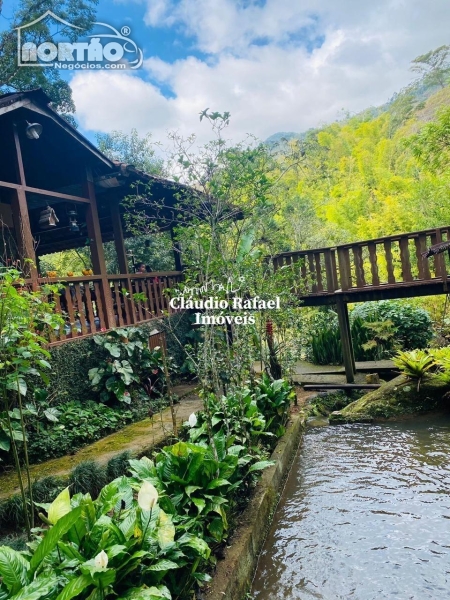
x: 118, y: 465
x: 88, y: 477
x: 325, y: 403
x: 378, y: 330
x: 78, y: 424
x: 413, y: 325
x: 11, y: 513
x: 45, y: 489
x: 273, y: 399
x: 16, y: 542
x: 128, y: 363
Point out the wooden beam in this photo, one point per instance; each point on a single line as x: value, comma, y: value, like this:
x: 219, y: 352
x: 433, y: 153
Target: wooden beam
x: 346, y: 340
x: 176, y: 251
x: 118, y: 238
x: 97, y: 254
x: 19, y: 161
x: 52, y: 194
x: 21, y: 218
x: 341, y: 386
x: 24, y: 239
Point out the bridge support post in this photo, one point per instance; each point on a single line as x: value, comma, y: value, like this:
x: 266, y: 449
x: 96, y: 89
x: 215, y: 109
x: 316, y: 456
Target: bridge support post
x: 346, y: 340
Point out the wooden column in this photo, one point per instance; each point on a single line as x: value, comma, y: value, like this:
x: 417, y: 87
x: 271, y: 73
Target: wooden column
x: 97, y: 254
x: 176, y: 252
x: 118, y: 238
x: 22, y: 227
x: 346, y: 340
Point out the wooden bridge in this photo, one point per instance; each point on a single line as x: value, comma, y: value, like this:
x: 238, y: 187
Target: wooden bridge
x: 379, y: 269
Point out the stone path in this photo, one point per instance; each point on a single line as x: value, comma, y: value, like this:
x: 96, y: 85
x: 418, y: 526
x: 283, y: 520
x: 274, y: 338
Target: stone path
x: 137, y: 438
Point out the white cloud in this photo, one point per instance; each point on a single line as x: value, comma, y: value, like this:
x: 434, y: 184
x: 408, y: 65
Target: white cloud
x: 280, y: 85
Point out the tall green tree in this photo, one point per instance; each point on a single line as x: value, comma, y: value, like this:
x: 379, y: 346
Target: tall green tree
x: 133, y: 149
x: 434, y: 66
x: 80, y: 13
x: 154, y: 250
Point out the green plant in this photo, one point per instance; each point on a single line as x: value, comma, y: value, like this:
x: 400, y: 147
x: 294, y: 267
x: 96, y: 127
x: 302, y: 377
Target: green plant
x: 199, y: 483
x: 378, y: 330
x: 120, y: 544
x: 88, y: 477
x: 274, y: 400
x: 45, y: 489
x: 415, y: 364
x: 12, y: 512
x: 322, y: 339
x: 16, y: 542
x: 78, y: 424
x: 25, y: 317
x: 118, y: 465
x: 413, y: 326
x: 382, y: 337
x: 129, y: 361
x: 325, y: 403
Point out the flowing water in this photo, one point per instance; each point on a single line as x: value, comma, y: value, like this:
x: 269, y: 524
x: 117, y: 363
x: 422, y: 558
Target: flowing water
x: 365, y: 515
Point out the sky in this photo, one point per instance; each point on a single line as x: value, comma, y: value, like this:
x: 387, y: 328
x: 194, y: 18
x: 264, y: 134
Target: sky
x: 275, y: 65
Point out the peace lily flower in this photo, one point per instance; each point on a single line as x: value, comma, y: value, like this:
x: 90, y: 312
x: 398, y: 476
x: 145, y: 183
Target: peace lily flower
x: 192, y: 420
x: 147, y: 496
x: 101, y: 560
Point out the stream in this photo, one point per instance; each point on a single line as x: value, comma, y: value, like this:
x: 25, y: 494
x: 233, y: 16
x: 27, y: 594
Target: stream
x: 365, y: 515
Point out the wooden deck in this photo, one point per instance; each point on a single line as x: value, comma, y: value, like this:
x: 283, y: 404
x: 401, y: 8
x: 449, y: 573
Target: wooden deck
x: 307, y: 373
x: 134, y: 299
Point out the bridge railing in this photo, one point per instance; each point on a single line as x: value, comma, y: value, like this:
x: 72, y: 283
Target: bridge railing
x: 378, y: 263
x: 317, y: 268
x: 392, y: 260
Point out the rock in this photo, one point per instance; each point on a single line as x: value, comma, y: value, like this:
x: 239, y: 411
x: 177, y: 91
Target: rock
x: 338, y: 418
x: 372, y: 378
x: 397, y: 398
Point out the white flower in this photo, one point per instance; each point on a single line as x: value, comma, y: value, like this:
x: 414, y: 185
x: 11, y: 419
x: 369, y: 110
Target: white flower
x: 192, y: 420
x: 101, y: 560
x: 147, y: 496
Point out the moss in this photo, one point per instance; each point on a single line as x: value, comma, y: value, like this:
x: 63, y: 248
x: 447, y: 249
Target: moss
x: 397, y: 398
x: 323, y: 404
x: 137, y: 438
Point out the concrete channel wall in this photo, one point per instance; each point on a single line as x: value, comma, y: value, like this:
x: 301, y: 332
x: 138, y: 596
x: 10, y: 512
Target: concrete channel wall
x: 234, y: 573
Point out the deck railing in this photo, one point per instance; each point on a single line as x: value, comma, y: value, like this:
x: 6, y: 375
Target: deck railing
x: 391, y: 261
x: 135, y: 298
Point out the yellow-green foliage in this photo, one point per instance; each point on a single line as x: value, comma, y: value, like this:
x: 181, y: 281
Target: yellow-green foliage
x: 360, y: 179
x: 415, y: 363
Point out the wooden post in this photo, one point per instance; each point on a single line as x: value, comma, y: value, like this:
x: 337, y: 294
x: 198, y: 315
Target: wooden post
x: 346, y: 340
x: 176, y: 252
x: 97, y: 254
x: 118, y: 238
x: 21, y: 218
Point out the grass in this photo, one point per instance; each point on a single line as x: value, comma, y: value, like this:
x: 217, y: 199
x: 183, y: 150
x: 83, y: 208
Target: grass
x: 87, y: 478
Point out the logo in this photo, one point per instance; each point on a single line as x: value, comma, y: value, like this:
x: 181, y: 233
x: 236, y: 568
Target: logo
x: 49, y: 41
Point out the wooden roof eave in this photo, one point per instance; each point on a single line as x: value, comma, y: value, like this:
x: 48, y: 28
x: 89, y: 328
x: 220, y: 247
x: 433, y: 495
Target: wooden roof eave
x: 49, y: 113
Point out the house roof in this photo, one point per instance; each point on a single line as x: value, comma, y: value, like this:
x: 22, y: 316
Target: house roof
x: 55, y: 163
x: 39, y: 102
